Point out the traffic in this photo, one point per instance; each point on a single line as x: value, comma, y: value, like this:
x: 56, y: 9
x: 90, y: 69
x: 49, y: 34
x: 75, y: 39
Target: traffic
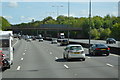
x: 59, y: 40
x: 71, y: 51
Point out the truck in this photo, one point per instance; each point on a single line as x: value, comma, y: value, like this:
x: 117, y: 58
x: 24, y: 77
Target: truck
x: 61, y: 35
x: 6, y: 46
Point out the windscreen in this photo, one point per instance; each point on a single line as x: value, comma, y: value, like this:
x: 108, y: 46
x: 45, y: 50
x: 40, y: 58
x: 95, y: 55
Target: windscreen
x: 4, y: 43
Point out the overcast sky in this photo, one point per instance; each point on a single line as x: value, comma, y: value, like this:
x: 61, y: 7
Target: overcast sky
x: 26, y: 10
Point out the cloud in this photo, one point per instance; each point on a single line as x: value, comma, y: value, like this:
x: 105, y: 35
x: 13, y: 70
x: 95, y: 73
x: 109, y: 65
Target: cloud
x: 115, y: 13
x: 84, y: 13
x: 8, y: 17
x: 23, y: 18
x: 13, y: 4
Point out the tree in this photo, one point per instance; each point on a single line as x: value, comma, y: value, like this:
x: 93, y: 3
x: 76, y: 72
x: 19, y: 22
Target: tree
x: 116, y: 31
x: 4, y: 24
x: 95, y: 34
x: 98, y: 21
x: 105, y: 33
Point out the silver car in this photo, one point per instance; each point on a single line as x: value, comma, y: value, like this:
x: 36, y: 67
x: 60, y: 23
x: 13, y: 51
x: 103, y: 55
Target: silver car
x: 54, y: 41
x: 74, y: 51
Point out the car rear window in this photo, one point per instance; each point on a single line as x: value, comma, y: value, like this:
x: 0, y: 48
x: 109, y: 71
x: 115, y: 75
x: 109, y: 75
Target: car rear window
x: 101, y: 45
x: 75, y: 48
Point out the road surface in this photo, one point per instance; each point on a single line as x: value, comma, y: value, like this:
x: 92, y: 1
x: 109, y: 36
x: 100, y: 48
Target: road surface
x: 44, y: 60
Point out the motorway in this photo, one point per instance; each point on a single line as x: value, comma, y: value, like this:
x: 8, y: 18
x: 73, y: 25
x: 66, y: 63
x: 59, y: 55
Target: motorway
x: 95, y: 41
x: 44, y: 60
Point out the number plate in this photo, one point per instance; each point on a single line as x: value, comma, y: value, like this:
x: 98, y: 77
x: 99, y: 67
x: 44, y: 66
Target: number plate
x: 103, y: 49
x: 76, y: 52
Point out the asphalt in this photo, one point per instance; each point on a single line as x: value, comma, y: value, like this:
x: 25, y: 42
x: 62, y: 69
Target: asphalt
x: 44, y: 60
x: 96, y: 41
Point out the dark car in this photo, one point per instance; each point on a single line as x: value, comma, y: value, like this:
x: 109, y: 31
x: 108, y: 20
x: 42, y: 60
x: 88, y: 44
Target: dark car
x: 99, y: 49
x: 110, y: 41
x: 64, y: 42
x: 33, y: 38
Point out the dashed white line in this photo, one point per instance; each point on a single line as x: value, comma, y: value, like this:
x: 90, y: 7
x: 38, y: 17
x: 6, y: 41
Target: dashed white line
x: 66, y: 66
x: 21, y: 59
x: 18, y: 68
x: 109, y: 65
x: 23, y: 53
x: 25, y: 50
x: 50, y: 52
x: 56, y: 57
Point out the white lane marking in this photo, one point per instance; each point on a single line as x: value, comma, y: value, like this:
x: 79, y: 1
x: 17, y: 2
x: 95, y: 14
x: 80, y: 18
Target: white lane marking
x: 56, y: 57
x: 114, y: 55
x: 89, y: 57
x: 18, y: 68
x: 109, y: 65
x: 21, y: 59
x: 15, y: 43
x: 66, y: 66
x: 76, y: 74
x: 50, y: 52
x: 23, y: 53
x: 25, y: 50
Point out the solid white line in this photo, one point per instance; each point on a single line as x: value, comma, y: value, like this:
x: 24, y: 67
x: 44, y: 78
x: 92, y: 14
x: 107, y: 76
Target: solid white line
x: 15, y: 43
x: 109, y: 65
x: 21, y: 59
x: 50, y: 52
x: 56, y: 57
x: 66, y: 66
x: 23, y: 53
x: 18, y: 68
x: 114, y: 55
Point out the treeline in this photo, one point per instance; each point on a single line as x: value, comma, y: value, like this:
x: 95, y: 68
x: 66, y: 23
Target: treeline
x: 4, y: 24
x: 101, y: 27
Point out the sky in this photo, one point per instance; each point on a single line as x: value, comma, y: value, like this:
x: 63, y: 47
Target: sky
x: 23, y: 11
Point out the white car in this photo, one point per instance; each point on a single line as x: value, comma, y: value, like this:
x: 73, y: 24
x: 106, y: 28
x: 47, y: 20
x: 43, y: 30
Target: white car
x: 41, y: 40
x: 54, y: 41
x: 74, y: 51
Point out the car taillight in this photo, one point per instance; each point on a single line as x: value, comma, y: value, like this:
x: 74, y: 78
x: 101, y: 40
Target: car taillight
x: 108, y: 48
x: 97, y: 48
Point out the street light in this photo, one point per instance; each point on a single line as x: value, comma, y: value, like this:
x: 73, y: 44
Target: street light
x: 68, y: 18
x: 58, y: 12
x: 89, y: 23
x: 57, y: 9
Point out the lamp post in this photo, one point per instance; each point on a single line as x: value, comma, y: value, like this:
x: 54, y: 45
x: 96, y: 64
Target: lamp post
x: 68, y: 19
x: 89, y: 24
x: 57, y: 9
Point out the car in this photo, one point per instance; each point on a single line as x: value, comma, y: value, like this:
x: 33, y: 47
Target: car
x: 74, y: 51
x: 28, y: 39
x: 64, y: 42
x: 54, y: 41
x: 110, y: 41
x: 99, y: 49
x: 33, y: 38
x: 40, y: 39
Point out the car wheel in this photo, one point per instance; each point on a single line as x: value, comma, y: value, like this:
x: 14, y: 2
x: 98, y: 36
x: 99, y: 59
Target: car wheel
x: 107, y: 54
x: 67, y: 58
x: 90, y: 53
x: 83, y: 59
x: 64, y: 56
